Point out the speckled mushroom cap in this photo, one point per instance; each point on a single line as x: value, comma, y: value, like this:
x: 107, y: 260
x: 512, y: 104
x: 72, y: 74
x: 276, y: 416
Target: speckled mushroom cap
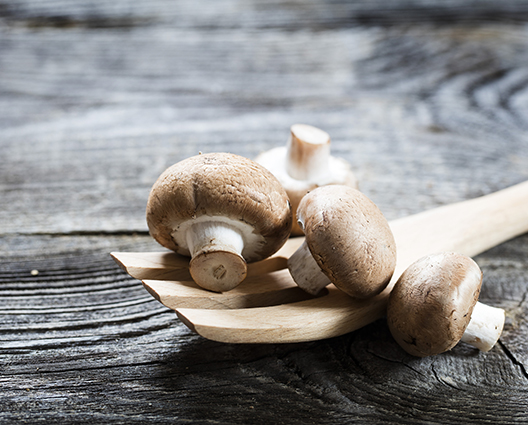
x: 349, y: 238
x: 431, y: 304
x: 224, y: 186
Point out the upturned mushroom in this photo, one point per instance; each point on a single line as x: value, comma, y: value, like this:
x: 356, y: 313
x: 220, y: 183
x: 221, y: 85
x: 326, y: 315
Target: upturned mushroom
x: 305, y: 163
x: 433, y: 306
x: 348, y: 242
x: 223, y: 211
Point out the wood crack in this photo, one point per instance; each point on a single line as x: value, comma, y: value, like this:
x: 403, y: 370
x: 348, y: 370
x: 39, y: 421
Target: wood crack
x: 522, y: 302
x: 513, y: 359
x: 441, y: 380
x: 402, y: 362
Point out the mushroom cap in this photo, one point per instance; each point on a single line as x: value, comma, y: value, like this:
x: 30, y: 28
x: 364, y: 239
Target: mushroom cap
x: 349, y: 238
x: 223, y: 187
x: 431, y: 304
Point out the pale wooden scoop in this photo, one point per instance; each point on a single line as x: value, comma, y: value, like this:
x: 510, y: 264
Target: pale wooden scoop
x: 268, y: 307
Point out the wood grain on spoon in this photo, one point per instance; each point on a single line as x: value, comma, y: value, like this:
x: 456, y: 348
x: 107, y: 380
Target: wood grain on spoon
x: 167, y: 264
x: 265, y: 290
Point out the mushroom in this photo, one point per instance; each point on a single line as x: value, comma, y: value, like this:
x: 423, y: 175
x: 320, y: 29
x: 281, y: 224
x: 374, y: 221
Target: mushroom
x: 433, y: 306
x: 348, y: 242
x: 223, y: 211
x: 305, y: 163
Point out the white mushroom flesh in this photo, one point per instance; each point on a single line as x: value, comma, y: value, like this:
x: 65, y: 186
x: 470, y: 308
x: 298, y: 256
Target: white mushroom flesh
x: 304, y: 164
x: 234, y: 235
x: 223, y: 236
x: 485, y: 326
x: 275, y: 160
x: 306, y: 272
x: 308, y: 153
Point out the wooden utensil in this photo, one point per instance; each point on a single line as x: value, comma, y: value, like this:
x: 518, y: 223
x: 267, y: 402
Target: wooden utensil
x: 269, y: 308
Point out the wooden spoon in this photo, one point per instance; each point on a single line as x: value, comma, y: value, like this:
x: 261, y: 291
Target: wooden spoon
x: 269, y: 308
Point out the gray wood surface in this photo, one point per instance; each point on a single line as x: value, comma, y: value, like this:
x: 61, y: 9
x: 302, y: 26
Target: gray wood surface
x: 429, y: 102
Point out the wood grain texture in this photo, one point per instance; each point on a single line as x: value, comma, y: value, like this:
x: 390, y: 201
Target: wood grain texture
x: 426, y: 99
x: 136, y: 362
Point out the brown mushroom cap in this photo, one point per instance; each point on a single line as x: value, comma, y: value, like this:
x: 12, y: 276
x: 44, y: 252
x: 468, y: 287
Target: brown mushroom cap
x: 349, y: 238
x: 431, y: 304
x: 297, y: 192
x: 220, y: 185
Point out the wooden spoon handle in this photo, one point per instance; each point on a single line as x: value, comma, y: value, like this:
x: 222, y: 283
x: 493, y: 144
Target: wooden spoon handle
x: 469, y: 227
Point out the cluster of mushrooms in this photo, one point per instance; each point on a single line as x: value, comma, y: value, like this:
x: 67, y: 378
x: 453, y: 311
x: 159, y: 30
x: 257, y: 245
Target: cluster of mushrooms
x: 224, y: 211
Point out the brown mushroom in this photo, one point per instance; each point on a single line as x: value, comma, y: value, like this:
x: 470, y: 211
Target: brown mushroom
x: 305, y: 163
x: 348, y: 242
x: 221, y: 209
x: 433, y: 306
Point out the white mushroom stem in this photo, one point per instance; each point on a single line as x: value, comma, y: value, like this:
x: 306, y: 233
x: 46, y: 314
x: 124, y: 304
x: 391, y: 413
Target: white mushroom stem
x: 485, y: 327
x: 216, y: 255
x: 307, y: 153
x: 306, y: 272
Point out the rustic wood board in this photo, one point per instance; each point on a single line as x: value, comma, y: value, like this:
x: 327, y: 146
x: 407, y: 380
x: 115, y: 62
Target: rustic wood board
x: 428, y: 102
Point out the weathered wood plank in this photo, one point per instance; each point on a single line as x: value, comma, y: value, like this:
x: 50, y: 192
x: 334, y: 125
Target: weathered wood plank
x: 389, y: 99
x: 427, y: 100
x: 295, y: 15
x: 82, y: 338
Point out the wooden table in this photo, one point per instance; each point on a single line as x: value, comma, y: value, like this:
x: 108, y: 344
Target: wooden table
x: 427, y: 100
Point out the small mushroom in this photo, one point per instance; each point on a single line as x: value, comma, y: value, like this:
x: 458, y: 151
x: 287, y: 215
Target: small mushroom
x: 305, y: 163
x: 433, y: 306
x: 224, y: 211
x: 348, y: 242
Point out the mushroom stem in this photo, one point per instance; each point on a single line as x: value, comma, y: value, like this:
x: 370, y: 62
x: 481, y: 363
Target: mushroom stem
x: 306, y: 272
x: 216, y: 255
x: 307, y: 153
x: 485, y: 327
